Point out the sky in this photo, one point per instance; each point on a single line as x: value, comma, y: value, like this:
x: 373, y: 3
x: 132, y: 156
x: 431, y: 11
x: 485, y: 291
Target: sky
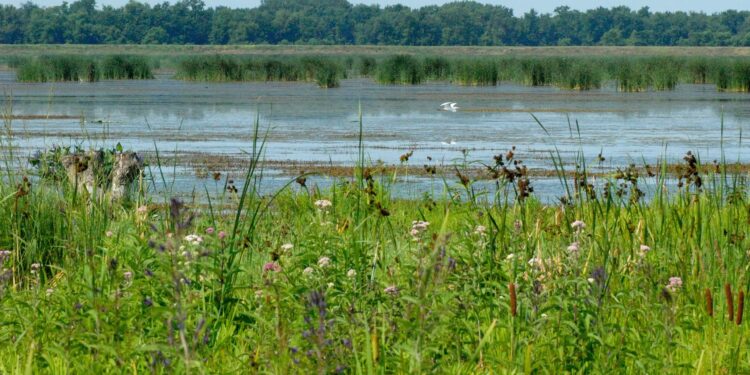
x: 519, y: 6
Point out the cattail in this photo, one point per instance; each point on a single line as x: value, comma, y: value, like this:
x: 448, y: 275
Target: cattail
x: 730, y: 301
x: 740, y: 306
x: 709, y: 303
x: 512, y: 289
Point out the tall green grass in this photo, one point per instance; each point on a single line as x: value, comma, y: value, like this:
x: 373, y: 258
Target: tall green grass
x: 480, y: 72
x: 326, y: 72
x: 351, y: 279
x: 81, y: 68
x: 626, y: 73
x: 400, y: 69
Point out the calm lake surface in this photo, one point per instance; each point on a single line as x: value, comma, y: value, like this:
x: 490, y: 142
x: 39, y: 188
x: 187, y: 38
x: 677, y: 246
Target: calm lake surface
x: 308, y: 124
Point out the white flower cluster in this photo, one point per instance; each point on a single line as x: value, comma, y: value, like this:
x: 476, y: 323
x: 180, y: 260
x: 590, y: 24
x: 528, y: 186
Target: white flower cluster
x: 418, y: 227
x: 194, y: 239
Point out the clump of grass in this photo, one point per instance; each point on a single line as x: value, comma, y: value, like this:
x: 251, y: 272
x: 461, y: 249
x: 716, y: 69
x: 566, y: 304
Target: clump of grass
x: 326, y: 72
x: 125, y: 67
x: 58, y: 68
x: 664, y: 73
x: 476, y: 72
x: 437, y: 68
x: 61, y: 68
x: 699, y: 70
x: 536, y: 72
x: 400, y: 69
x: 629, y: 76
x: 366, y: 66
x: 734, y: 76
x: 578, y: 74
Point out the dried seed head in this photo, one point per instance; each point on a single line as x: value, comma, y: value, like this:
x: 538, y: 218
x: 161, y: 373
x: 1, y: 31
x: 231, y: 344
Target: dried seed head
x: 730, y: 301
x: 513, y: 301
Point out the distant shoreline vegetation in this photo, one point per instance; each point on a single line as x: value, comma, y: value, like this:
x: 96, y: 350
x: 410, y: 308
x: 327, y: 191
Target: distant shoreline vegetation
x: 315, y: 22
x: 627, y: 73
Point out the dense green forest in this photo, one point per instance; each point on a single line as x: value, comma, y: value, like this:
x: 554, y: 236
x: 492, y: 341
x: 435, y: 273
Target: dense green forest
x: 339, y: 22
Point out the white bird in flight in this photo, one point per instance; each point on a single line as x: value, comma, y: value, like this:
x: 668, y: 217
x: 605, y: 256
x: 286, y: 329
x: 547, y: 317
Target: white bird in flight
x: 449, y: 106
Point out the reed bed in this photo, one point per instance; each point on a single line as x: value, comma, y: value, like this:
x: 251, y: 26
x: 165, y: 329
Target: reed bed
x: 326, y: 72
x: 626, y: 73
x: 81, y: 68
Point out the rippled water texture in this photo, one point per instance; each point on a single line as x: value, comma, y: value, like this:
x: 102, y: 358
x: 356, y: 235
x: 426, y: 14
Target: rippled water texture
x: 311, y: 124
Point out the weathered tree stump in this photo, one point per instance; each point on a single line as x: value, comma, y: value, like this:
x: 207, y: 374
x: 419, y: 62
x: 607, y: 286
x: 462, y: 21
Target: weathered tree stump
x: 87, y: 172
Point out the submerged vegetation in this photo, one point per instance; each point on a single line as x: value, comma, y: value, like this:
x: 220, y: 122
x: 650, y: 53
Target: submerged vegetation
x: 352, y: 280
x: 54, y: 68
x: 573, y: 72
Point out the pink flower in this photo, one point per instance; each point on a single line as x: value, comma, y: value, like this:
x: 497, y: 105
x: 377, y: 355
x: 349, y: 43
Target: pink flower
x: 271, y: 267
x: 109, y: 233
x: 210, y: 230
x: 391, y: 289
x: 578, y: 225
x: 645, y: 249
x: 128, y: 275
x: 573, y: 248
x: 222, y: 234
x: 675, y: 283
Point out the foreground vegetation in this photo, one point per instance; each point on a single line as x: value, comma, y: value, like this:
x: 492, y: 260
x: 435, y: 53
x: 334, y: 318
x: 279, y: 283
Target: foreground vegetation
x: 350, y: 280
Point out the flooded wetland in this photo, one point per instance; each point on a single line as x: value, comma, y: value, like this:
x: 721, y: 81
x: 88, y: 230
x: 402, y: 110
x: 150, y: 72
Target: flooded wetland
x: 202, y: 128
x: 351, y: 209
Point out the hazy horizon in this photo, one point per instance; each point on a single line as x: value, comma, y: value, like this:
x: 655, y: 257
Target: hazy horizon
x: 519, y: 6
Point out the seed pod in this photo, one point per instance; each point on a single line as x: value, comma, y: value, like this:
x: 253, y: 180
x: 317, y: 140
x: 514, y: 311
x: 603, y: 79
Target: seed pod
x: 709, y: 303
x: 512, y: 289
x: 740, y: 306
x: 730, y: 301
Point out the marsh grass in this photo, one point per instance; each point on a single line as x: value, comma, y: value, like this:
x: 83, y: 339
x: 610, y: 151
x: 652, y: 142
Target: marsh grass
x: 326, y: 72
x: 55, y: 68
x: 480, y: 72
x: 400, y: 69
x: 630, y: 73
x: 351, y: 279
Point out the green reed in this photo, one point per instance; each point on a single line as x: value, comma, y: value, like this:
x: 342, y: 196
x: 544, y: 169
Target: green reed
x: 400, y: 69
x: 125, y: 67
x: 733, y: 76
x: 324, y: 71
x: 437, y: 68
x: 576, y: 73
x: 59, y: 68
x: 479, y: 72
x: 581, y: 72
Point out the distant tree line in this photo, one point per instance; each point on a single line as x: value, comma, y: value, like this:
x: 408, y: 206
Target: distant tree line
x: 339, y: 22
